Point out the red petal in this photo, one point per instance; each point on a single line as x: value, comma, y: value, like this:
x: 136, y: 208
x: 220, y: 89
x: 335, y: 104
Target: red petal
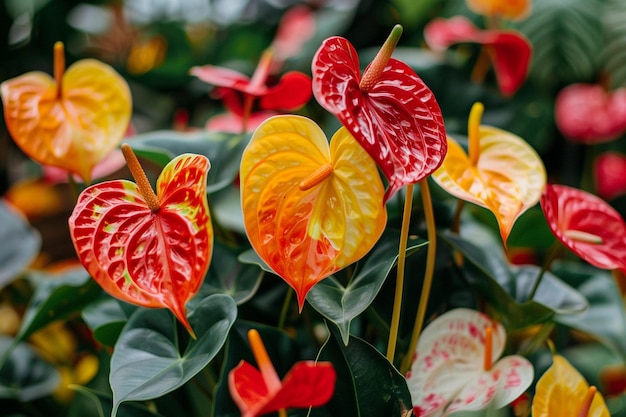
x: 568, y: 209
x: 441, y: 33
x: 587, y: 113
x: 510, y: 53
x: 247, y: 388
x: 221, y: 77
x: 609, y: 173
x: 398, y: 121
x: 292, y: 92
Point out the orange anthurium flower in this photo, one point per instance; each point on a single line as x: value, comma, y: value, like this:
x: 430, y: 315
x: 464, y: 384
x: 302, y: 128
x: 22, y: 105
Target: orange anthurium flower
x: 563, y: 392
x: 310, y: 209
x: 508, y: 9
x: 72, y: 121
x: 501, y: 172
x: 457, y: 366
x: 148, y: 249
x: 260, y: 391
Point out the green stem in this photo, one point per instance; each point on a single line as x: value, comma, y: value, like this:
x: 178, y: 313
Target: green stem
x: 73, y: 186
x: 283, y: 312
x: 397, y: 301
x: 428, y: 274
x: 538, y: 339
x: 554, y: 250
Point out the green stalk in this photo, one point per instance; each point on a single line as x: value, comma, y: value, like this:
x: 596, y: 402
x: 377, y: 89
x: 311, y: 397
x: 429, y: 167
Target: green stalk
x: 431, y: 231
x: 554, y: 250
x: 397, y: 300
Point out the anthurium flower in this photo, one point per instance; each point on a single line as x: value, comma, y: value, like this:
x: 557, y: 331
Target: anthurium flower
x: 501, y: 172
x: 148, y: 249
x: 587, y: 113
x: 309, y: 208
x: 390, y: 111
x: 586, y: 224
x: 508, y: 9
x: 260, y: 391
x: 563, y: 392
x: 296, y: 27
x: 510, y: 51
x: 456, y: 366
x: 609, y: 172
x: 71, y: 121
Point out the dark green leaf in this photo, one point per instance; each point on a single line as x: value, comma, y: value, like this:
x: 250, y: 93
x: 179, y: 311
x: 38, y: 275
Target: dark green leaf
x: 614, y: 58
x: 341, y: 304
x: 147, y: 362
x: 20, y: 244
x: 24, y: 375
x: 106, y: 318
x: 103, y: 401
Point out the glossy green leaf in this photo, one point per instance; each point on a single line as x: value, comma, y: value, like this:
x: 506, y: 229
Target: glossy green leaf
x: 20, y: 245
x: 223, y: 150
x: 25, y: 376
x: 102, y: 404
x: 507, y: 287
x: 147, y: 362
x: 614, y: 58
x: 106, y: 317
x: 606, y: 318
x: 229, y: 276
x: 341, y: 304
x: 367, y: 384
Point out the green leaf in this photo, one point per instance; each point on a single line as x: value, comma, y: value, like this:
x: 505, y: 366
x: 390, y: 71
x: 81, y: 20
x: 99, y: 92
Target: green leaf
x: 223, y: 150
x: 25, y: 376
x: 507, y: 288
x: 614, y: 57
x: 147, y: 362
x: 228, y: 276
x: 20, y: 244
x: 102, y: 403
x: 106, y: 317
x: 567, y: 38
x: 341, y: 304
x: 367, y: 384
x: 605, y: 318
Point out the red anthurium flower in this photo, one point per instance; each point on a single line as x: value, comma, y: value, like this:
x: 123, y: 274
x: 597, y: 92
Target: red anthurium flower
x: 260, y: 391
x: 390, y: 111
x: 610, y: 175
x: 147, y: 249
x: 509, y: 50
x: 587, y: 225
x: 587, y: 113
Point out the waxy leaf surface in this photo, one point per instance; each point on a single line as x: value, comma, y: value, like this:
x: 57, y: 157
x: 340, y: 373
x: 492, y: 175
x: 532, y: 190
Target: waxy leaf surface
x: 398, y: 121
x: 448, y: 371
x: 507, y: 179
x: 561, y: 391
x: 73, y: 126
x: 306, y: 235
x: 149, y: 258
x: 587, y: 225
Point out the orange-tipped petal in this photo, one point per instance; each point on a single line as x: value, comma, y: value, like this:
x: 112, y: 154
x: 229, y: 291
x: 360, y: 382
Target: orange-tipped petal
x: 508, y: 9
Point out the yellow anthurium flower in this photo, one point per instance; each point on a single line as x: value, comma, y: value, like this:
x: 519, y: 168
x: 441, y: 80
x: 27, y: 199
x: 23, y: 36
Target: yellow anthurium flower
x: 501, y: 172
x: 508, y: 9
x: 71, y: 121
x: 563, y: 392
x: 310, y: 208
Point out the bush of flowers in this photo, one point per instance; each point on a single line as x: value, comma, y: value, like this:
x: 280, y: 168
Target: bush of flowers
x: 334, y: 208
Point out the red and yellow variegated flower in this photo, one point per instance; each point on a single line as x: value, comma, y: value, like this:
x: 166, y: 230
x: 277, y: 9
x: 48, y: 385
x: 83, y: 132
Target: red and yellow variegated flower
x: 260, y: 391
x: 501, y: 172
x: 456, y: 366
x: 587, y: 225
x: 72, y: 121
x: 390, y: 111
x: 563, y: 392
x: 508, y: 9
x: 148, y: 250
x: 310, y: 209
x: 510, y: 51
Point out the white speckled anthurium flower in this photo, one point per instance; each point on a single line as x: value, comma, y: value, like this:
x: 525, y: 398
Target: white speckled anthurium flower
x: 456, y: 367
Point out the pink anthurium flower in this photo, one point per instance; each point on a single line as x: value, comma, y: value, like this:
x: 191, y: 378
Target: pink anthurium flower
x: 587, y: 113
x: 296, y: 27
x: 310, y: 208
x: 586, y: 225
x: 510, y: 51
x: 501, y: 172
x: 610, y: 175
x: 148, y: 249
x: 260, y: 391
x: 456, y: 366
x: 71, y: 121
x: 389, y: 110
x: 563, y: 392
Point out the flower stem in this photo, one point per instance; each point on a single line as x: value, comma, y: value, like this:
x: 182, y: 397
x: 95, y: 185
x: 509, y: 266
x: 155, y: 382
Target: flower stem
x: 372, y: 74
x: 397, y: 300
x: 140, y: 178
x: 283, y: 312
x: 282, y: 412
x: 59, y: 66
x: 479, y: 72
x: 554, y: 250
x: 428, y: 274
